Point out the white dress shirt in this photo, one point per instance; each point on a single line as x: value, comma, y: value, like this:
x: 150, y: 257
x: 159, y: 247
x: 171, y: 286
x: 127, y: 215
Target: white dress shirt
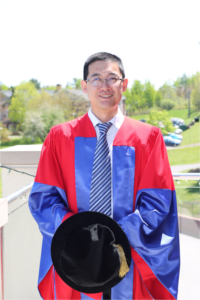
x: 117, y: 122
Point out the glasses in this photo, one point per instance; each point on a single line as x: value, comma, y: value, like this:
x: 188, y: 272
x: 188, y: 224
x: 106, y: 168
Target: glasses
x: 110, y: 80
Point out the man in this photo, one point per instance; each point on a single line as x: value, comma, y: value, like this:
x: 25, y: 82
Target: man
x: 142, y: 197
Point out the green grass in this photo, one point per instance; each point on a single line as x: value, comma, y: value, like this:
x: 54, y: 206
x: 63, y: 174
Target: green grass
x: 139, y: 117
x: 19, y: 141
x: 184, y: 156
x: 181, y: 113
x: 188, y: 197
x: 192, y: 135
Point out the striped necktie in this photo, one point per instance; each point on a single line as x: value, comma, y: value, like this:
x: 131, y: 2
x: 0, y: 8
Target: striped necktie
x: 100, y: 193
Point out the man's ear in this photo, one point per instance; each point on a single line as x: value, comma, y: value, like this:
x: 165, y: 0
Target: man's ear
x: 84, y: 86
x: 125, y: 84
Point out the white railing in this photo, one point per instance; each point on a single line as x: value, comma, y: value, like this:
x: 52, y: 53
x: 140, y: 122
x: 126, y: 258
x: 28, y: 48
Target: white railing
x: 186, y: 176
x: 19, y: 198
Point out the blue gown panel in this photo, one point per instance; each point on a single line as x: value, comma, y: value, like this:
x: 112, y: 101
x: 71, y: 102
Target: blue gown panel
x: 84, y: 156
x: 123, y: 172
x: 152, y: 231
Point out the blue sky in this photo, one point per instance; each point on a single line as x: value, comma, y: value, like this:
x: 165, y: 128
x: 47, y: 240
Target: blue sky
x: 158, y: 40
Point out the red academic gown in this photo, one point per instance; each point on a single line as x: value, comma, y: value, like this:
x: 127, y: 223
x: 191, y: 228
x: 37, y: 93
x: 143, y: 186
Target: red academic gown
x: 144, y: 204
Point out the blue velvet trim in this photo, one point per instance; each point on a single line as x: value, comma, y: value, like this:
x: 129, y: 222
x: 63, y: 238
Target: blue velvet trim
x: 123, y: 172
x: 124, y: 289
x: 84, y: 156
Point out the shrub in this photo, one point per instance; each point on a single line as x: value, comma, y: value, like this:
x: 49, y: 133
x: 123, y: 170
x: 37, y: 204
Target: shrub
x: 161, y: 120
x: 4, y: 133
x: 167, y: 104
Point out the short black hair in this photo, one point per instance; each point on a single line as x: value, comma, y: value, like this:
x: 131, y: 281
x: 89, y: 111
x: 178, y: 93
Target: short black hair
x: 102, y: 56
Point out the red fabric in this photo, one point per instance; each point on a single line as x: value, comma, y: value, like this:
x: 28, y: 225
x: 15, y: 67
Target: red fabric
x: 153, y: 285
x: 97, y: 296
x: 63, y: 291
x: 139, y: 289
x: 67, y: 216
x: 147, y: 141
x: 46, y: 286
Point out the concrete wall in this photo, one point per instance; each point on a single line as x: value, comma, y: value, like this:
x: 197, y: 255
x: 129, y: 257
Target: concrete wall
x: 21, y: 255
x: 23, y: 158
x: 21, y: 236
x: 189, y: 226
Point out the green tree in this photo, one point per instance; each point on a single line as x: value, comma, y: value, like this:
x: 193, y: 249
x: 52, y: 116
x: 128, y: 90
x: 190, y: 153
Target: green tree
x: 4, y: 133
x: 195, y: 96
x: 149, y: 94
x: 50, y: 87
x: 137, y: 91
x: 1, y: 96
x: 22, y: 95
x: 38, y: 123
x: 130, y: 107
x: 72, y: 107
x: 69, y: 86
x: 184, y: 86
x: 77, y: 83
x: 140, y: 96
x: 167, y: 91
x: 161, y: 120
x: 167, y: 104
x: 3, y: 87
x: 135, y: 97
x: 158, y: 98
x: 36, y: 83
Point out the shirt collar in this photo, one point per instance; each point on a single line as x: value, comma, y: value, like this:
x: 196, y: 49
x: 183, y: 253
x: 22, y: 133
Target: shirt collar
x: 116, y: 121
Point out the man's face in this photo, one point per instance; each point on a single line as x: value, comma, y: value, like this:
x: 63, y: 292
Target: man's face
x: 104, y: 98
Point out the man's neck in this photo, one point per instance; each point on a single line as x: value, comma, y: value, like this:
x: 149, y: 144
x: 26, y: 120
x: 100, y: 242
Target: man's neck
x: 106, y: 116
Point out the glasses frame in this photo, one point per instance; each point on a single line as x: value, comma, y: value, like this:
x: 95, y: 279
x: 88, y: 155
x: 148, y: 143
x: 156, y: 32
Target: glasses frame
x: 101, y: 80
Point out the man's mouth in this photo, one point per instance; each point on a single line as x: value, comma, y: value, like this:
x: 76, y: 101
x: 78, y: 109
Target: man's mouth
x: 105, y: 96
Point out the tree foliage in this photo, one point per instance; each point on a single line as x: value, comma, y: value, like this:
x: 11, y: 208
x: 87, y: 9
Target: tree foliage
x: 158, y: 98
x: 149, y: 94
x: 72, y: 107
x: 140, y: 96
x: 161, y: 120
x: 167, y: 91
x: 195, y: 96
x: 45, y: 111
x: 184, y: 85
x: 50, y: 87
x: 22, y: 95
x: 4, y: 133
x: 39, y: 123
x: 77, y: 83
x: 167, y: 104
x: 36, y: 83
x: 3, y: 87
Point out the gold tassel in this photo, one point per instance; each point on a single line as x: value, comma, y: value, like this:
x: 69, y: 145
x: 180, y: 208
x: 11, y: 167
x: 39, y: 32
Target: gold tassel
x: 123, y: 263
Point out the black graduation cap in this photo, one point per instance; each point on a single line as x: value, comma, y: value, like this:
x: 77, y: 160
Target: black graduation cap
x: 90, y: 252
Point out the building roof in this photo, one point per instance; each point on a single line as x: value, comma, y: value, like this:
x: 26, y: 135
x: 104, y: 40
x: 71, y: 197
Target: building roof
x: 7, y: 94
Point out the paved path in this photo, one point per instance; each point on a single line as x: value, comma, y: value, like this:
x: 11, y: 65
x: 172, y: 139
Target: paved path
x: 179, y: 168
x: 189, y: 283
x: 181, y: 147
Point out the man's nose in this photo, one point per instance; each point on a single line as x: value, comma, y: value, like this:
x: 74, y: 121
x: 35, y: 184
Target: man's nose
x: 105, y: 84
